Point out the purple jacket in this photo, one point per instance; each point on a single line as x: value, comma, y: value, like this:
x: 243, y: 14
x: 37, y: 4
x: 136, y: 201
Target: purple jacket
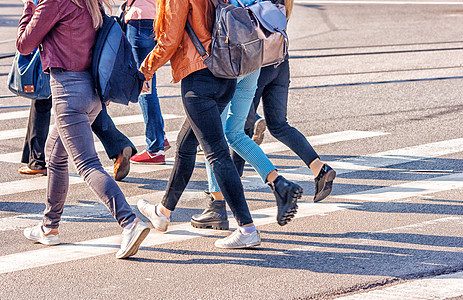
x: 64, y: 30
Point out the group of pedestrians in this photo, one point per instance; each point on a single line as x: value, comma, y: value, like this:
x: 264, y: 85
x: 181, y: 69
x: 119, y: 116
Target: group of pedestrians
x: 219, y: 114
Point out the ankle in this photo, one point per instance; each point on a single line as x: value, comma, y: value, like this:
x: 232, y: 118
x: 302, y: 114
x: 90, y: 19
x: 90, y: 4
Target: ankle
x: 316, y: 166
x: 161, y: 211
x: 247, y: 229
x: 49, y: 231
x: 218, y: 196
x: 272, y: 176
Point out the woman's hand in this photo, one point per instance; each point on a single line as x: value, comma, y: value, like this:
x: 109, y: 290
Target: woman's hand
x: 145, y: 72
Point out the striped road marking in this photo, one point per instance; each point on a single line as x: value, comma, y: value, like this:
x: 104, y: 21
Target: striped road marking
x: 108, y: 245
x: 138, y: 141
x: 21, y: 132
x: 439, y: 287
x: 37, y: 183
x: 409, y: 189
x: 317, y: 140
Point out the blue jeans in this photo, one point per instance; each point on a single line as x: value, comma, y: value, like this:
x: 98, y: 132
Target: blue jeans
x: 76, y: 106
x: 204, y: 98
x: 141, y: 36
x: 233, y: 120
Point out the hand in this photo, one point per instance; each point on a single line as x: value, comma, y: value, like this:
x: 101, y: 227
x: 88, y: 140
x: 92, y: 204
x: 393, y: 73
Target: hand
x: 146, y: 89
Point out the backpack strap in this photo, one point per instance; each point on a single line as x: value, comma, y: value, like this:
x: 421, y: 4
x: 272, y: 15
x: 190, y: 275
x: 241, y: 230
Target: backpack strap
x: 194, y: 38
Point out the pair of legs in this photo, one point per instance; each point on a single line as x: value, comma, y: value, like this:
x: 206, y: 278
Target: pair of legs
x: 204, y: 98
x: 233, y: 120
x: 272, y: 88
x: 141, y: 36
x: 76, y: 106
x: 115, y: 142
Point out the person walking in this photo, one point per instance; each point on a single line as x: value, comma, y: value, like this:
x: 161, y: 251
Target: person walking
x: 233, y: 118
x: 204, y: 97
x: 140, y: 16
x: 118, y: 147
x: 272, y: 88
x: 57, y: 28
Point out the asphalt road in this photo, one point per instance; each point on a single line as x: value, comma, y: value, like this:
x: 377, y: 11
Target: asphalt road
x: 376, y: 86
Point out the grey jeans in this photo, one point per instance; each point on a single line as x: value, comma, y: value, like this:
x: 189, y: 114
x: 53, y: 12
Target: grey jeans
x: 76, y: 106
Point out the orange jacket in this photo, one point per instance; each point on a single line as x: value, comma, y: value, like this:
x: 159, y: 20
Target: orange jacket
x: 175, y: 45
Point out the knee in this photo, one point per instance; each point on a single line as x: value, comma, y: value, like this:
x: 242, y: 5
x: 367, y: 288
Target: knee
x: 278, y: 129
x: 231, y: 136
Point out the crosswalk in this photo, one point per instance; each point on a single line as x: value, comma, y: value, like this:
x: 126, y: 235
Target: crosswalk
x: 438, y: 181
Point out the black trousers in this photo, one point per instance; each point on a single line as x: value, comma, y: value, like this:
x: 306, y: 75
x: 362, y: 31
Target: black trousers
x: 204, y: 98
x: 272, y: 88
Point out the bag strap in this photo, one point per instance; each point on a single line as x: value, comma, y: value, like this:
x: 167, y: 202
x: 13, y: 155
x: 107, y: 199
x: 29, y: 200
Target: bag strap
x: 194, y: 38
x: 241, y: 3
x: 128, y: 7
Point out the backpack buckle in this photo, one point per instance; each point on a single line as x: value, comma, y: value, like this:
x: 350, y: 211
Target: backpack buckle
x: 205, y: 56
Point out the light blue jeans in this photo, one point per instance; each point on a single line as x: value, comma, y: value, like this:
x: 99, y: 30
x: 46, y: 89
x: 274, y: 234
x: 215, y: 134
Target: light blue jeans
x: 233, y: 118
x: 76, y: 106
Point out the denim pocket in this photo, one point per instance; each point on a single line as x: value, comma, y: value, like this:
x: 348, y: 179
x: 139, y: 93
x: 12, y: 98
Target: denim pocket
x: 146, y: 30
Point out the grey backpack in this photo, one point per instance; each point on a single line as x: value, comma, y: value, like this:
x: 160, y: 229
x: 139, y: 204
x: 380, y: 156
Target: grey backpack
x: 236, y: 50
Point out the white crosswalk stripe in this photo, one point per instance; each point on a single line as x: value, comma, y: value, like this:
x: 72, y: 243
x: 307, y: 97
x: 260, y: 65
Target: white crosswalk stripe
x: 108, y: 245
x: 183, y: 231
x: 21, y: 132
x: 26, y: 185
x: 439, y: 287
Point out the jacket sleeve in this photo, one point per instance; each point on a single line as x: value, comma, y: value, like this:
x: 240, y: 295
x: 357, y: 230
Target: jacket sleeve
x: 35, y: 23
x: 169, y: 41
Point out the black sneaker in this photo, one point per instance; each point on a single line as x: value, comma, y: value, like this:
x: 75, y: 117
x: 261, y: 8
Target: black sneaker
x: 286, y: 194
x: 214, y: 216
x: 324, y: 183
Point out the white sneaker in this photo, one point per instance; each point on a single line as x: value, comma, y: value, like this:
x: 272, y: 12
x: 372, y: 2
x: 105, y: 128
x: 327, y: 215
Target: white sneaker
x: 132, y: 238
x: 149, y: 210
x: 238, y: 240
x: 36, y: 234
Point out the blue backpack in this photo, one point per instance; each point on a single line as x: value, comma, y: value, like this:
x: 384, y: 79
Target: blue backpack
x: 114, y: 69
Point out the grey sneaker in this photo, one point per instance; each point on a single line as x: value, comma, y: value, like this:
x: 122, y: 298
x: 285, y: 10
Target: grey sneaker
x: 36, y: 234
x: 149, y: 210
x: 131, y: 239
x: 238, y: 240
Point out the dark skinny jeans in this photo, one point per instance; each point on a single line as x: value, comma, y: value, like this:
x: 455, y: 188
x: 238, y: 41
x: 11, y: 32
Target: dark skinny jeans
x: 272, y: 87
x: 204, y: 98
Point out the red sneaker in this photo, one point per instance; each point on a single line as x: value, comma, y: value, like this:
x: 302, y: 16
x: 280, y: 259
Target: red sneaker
x: 166, y: 144
x: 147, y: 158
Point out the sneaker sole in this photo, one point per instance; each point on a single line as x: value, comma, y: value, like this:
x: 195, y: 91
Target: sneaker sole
x: 133, y: 249
x: 216, y: 225
x: 242, y: 247
x: 290, y: 209
x: 327, y: 187
x: 248, y: 245
x: 147, y: 163
x: 53, y: 242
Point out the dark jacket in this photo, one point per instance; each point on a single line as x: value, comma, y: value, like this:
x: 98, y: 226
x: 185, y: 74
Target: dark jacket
x: 175, y: 44
x: 64, y: 30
